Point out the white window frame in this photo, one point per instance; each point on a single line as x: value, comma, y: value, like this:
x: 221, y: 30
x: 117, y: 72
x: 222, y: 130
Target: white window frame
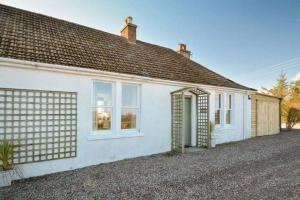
x: 219, y: 108
x: 232, y: 109
x: 113, y: 106
x: 137, y: 107
x: 115, y: 131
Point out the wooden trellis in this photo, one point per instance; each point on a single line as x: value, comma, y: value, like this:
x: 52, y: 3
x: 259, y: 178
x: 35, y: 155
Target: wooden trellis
x: 177, y: 122
x: 41, y: 124
x: 202, y: 118
x: 203, y: 139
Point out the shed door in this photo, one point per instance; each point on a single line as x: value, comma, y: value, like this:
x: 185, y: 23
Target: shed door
x: 267, y: 117
x: 273, y: 118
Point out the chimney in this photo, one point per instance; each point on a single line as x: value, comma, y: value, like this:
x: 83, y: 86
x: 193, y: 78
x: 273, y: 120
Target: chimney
x: 182, y: 50
x: 129, y: 30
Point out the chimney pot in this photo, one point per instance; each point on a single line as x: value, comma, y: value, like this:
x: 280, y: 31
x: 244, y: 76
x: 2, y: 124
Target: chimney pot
x: 128, y: 20
x: 129, y: 30
x: 182, y: 47
x: 183, y: 51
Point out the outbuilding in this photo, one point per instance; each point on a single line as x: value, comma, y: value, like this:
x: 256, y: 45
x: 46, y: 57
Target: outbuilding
x: 265, y: 114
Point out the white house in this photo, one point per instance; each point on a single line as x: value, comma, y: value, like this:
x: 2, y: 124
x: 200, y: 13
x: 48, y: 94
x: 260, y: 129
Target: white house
x: 72, y: 96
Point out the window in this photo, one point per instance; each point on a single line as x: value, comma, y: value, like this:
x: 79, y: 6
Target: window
x: 218, y: 112
x: 102, y: 106
x: 130, y: 106
x: 229, y: 109
x: 115, y: 108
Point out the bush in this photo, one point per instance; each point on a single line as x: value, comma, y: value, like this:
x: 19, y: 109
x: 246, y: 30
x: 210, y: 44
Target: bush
x: 211, y: 127
x: 293, y: 117
x: 6, y: 153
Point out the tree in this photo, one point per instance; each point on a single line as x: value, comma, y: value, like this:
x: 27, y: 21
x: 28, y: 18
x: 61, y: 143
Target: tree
x: 290, y: 94
x: 294, y: 104
x: 281, y: 89
x: 293, y: 117
x: 295, y: 90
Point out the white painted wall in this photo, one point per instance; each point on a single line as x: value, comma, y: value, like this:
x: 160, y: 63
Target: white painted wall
x: 239, y: 129
x: 155, y: 127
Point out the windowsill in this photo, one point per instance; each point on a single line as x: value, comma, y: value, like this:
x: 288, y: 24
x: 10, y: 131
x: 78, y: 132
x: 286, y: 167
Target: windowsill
x: 97, y: 135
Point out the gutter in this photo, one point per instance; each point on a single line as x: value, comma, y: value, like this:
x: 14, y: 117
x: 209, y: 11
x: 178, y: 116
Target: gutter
x: 9, y: 62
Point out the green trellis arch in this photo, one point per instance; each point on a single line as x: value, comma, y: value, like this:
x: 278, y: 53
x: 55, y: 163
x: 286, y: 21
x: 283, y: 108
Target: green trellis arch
x: 202, y: 118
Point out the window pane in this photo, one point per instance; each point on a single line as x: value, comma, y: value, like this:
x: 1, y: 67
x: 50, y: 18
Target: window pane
x: 102, y: 118
x: 102, y: 94
x: 129, y: 95
x: 229, y: 101
x: 228, y: 117
x: 218, y: 117
x: 128, y: 118
x: 218, y: 101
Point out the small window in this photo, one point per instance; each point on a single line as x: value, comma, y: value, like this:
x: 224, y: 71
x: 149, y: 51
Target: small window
x: 218, y: 109
x: 102, y: 106
x: 130, y: 106
x: 229, y: 109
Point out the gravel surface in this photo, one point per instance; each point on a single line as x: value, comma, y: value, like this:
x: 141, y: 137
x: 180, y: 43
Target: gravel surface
x: 259, y: 168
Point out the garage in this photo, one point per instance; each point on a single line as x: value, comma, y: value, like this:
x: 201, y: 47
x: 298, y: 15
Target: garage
x: 265, y: 114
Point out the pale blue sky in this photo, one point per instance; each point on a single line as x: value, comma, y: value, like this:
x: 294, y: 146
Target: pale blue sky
x: 248, y: 41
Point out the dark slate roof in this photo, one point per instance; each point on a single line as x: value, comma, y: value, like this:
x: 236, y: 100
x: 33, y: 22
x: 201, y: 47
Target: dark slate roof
x: 34, y: 37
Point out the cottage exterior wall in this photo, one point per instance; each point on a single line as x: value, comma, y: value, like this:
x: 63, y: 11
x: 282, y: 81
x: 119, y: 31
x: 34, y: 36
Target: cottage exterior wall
x: 155, y: 126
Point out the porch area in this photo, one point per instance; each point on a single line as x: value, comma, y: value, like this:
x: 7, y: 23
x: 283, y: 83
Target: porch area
x: 190, y: 119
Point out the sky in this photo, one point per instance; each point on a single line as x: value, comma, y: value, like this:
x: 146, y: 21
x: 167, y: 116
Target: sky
x: 248, y: 41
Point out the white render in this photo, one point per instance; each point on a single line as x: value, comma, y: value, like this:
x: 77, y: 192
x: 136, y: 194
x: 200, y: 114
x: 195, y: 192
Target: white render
x: 155, y: 125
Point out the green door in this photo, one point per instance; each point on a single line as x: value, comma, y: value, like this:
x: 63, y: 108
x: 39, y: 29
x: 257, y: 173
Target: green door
x: 187, y: 122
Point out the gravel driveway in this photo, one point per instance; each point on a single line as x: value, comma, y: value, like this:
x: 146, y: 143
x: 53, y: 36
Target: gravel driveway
x: 260, y: 168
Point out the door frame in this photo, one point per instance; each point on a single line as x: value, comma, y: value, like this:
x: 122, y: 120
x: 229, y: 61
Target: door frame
x: 191, y: 121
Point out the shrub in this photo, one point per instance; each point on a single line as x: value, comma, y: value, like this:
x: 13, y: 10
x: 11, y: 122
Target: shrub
x: 293, y: 117
x: 211, y: 128
x: 6, y: 153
